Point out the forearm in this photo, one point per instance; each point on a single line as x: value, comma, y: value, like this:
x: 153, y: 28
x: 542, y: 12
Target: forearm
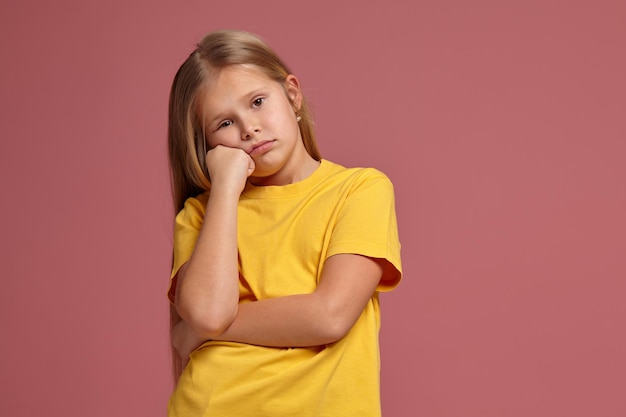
x: 319, y: 318
x: 208, y: 292
x: 291, y: 321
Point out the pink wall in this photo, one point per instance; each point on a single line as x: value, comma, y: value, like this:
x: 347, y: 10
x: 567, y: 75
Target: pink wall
x: 501, y: 123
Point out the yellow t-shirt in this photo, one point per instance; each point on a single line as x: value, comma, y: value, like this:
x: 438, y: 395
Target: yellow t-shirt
x: 285, y: 233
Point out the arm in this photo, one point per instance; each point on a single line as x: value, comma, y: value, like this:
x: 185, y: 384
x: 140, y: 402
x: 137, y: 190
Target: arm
x: 207, y: 287
x: 185, y: 341
x: 324, y: 316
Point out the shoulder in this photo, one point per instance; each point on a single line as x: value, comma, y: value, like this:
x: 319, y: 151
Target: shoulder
x: 359, y: 177
x: 193, y: 209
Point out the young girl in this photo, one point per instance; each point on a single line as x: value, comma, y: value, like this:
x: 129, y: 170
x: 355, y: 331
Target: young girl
x: 278, y: 255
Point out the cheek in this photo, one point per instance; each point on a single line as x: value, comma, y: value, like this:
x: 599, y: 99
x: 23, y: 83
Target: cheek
x: 211, y: 142
x: 285, y: 118
x: 226, y: 137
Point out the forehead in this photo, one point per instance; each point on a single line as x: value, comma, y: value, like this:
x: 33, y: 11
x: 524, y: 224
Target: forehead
x: 235, y: 80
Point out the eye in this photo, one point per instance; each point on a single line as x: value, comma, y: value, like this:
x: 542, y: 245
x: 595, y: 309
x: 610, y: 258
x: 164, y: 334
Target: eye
x: 258, y: 101
x: 225, y: 123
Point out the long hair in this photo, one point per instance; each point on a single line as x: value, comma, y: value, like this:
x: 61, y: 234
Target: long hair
x: 186, y: 140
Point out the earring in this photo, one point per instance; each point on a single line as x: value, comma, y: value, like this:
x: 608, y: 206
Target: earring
x: 298, y: 117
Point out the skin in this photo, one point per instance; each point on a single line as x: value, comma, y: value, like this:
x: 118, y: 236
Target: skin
x: 253, y: 134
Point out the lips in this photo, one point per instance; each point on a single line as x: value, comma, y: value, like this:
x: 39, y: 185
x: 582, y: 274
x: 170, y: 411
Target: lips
x: 261, y: 147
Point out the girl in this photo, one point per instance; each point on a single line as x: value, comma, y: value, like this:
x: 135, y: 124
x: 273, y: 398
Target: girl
x: 278, y: 255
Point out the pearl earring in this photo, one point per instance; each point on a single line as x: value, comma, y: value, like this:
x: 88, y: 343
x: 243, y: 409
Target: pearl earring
x: 298, y: 117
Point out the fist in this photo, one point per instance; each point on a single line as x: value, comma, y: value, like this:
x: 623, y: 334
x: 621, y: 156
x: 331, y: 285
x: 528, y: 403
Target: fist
x: 229, y: 167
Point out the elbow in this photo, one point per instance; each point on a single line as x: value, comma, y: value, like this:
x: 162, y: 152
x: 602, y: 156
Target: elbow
x: 336, y: 326
x: 211, y: 328
x: 209, y: 324
x: 207, y: 317
x: 334, y: 334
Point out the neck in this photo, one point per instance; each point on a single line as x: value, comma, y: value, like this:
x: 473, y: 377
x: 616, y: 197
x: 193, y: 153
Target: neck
x: 305, y: 168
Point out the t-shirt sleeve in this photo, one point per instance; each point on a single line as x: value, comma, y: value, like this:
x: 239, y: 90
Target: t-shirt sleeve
x: 367, y: 225
x: 186, y: 231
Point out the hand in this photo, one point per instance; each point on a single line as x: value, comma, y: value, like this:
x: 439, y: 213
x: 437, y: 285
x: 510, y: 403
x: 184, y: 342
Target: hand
x: 229, y: 167
x: 184, y: 341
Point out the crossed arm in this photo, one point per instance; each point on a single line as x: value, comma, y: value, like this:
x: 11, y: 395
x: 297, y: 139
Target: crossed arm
x: 319, y: 318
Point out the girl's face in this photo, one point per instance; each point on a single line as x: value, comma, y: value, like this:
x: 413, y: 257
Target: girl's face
x: 243, y: 108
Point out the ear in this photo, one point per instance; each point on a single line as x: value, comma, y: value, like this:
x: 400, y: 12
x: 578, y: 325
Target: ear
x: 292, y: 87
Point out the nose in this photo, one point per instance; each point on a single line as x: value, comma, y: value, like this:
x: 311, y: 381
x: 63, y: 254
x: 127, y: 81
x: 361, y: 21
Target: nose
x: 250, y: 130
x: 249, y: 134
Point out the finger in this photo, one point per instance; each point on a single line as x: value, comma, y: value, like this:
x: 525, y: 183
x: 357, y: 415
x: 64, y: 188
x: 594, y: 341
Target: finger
x: 251, y: 165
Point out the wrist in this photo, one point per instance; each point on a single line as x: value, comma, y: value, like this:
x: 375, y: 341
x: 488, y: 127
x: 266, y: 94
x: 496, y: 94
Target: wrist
x: 225, y: 191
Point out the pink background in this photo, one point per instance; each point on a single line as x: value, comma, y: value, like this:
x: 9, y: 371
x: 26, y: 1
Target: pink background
x: 501, y: 123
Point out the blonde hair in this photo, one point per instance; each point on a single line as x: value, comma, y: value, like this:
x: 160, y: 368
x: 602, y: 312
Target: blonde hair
x: 186, y: 139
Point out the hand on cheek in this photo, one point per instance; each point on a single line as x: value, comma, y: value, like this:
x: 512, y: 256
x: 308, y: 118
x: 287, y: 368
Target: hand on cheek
x: 229, y: 168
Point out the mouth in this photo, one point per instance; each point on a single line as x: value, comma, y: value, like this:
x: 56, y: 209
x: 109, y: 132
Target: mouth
x: 261, y: 147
